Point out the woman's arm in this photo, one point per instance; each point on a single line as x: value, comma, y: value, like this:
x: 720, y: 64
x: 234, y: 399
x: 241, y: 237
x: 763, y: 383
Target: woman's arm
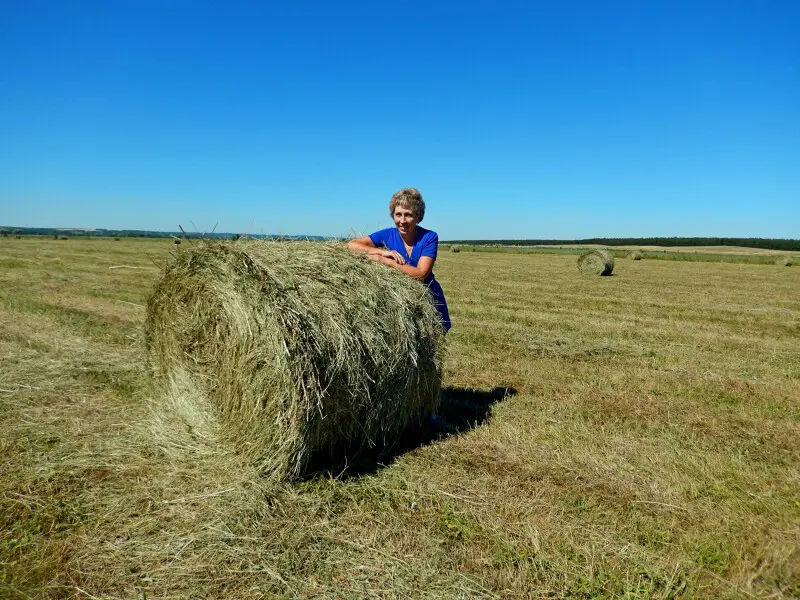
x: 364, y: 244
x: 420, y: 272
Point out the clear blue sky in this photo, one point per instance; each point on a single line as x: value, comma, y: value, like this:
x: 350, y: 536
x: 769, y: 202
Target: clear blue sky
x: 551, y: 119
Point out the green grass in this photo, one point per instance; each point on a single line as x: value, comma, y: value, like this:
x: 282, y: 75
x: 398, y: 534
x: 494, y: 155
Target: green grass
x: 747, y: 259
x: 650, y: 452
x: 683, y: 255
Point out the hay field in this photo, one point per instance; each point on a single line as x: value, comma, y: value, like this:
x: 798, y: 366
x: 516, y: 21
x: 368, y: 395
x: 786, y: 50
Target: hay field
x: 739, y: 250
x: 650, y: 449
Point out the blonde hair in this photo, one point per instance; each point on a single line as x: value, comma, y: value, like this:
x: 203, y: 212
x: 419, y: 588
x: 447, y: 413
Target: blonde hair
x: 411, y: 198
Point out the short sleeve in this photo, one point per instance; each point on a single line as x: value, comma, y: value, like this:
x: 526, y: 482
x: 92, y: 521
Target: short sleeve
x: 430, y: 245
x: 380, y: 238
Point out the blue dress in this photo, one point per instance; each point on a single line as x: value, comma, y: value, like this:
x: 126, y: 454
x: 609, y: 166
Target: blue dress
x: 427, y: 244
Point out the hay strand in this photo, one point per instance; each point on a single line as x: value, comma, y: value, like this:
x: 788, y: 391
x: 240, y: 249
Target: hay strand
x: 280, y: 351
x: 596, y: 262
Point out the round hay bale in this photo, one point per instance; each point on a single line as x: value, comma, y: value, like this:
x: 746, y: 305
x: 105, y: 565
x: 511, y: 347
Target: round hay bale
x: 636, y: 255
x: 284, y: 351
x: 783, y: 261
x: 596, y: 262
x: 177, y: 241
x: 456, y: 249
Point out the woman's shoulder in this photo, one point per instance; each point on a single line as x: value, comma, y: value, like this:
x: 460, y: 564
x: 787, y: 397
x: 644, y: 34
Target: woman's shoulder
x: 382, y: 234
x: 426, y: 235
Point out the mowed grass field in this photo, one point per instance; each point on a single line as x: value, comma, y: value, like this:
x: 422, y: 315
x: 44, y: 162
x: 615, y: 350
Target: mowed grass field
x: 651, y: 450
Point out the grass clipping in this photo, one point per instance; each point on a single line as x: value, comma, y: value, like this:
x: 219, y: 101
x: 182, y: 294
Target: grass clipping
x: 596, y: 262
x: 283, y: 350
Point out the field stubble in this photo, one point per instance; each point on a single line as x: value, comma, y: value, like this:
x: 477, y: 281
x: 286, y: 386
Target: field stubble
x: 650, y: 450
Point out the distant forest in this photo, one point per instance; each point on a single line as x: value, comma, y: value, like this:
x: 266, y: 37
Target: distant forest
x: 135, y: 233
x: 768, y: 243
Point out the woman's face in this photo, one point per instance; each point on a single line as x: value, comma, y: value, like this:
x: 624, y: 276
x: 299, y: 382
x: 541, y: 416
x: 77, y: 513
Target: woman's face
x: 404, y: 219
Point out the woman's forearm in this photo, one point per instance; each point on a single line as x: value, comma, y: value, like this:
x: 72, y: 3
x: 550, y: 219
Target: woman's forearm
x: 415, y: 272
x: 357, y: 246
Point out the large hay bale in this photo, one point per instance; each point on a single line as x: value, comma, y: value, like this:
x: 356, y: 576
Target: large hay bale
x: 596, y: 262
x: 456, y: 249
x: 783, y: 261
x: 636, y: 255
x: 286, y: 350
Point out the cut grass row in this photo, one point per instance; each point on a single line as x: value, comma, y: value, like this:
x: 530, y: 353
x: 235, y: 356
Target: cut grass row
x: 687, y: 256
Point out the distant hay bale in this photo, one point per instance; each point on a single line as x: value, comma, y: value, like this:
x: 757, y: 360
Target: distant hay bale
x: 636, y: 255
x: 456, y: 249
x: 783, y: 261
x: 282, y: 351
x: 596, y: 262
x: 177, y: 241
x: 63, y: 237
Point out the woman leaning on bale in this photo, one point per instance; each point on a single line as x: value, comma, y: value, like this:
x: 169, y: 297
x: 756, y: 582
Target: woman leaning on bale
x: 407, y: 247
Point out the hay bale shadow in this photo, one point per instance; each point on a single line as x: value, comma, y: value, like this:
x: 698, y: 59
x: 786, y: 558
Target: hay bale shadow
x: 460, y: 410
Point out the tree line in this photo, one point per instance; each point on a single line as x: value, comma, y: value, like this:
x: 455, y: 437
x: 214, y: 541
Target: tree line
x: 5, y: 231
x: 767, y: 243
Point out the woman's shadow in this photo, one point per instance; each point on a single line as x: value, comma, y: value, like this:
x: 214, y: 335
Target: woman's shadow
x: 460, y: 409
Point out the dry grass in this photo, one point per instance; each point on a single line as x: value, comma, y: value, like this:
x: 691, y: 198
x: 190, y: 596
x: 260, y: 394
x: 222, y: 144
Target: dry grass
x: 650, y: 452
x: 738, y: 250
x: 596, y: 262
x: 282, y: 351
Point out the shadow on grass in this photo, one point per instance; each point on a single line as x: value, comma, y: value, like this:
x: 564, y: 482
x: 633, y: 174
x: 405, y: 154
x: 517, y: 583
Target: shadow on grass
x: 460, y: 409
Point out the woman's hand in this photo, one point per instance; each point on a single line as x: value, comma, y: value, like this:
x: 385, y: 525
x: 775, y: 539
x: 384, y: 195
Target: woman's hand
x: 365, y: 245
x: 383, y: 258
x: 393, y: 255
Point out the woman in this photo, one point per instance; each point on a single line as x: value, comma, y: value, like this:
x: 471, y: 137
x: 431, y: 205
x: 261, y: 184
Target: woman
x: 407, y: 247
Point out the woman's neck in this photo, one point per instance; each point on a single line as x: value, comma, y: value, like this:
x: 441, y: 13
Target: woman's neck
x: 409, y: 238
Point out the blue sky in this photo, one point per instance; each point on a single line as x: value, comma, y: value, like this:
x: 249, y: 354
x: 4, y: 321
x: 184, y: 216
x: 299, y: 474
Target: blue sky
x: 557, y: 119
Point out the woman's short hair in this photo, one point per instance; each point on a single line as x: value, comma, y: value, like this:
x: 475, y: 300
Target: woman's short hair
x: 411, y: 198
